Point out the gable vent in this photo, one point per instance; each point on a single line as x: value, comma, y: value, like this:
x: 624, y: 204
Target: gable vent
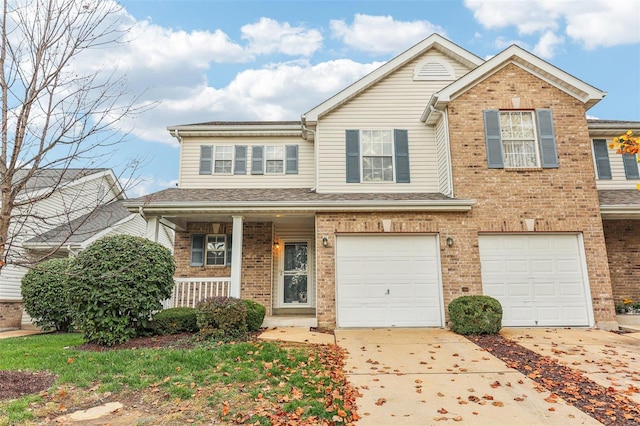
x: 433, y: 69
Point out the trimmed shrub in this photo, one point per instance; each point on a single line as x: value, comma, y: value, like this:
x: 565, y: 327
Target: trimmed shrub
x: 222, y: 317
x: 475, y: 315
x: 255, y: 314
x: 44, y: 290
x: 174, y: 320
x: 116, y: 284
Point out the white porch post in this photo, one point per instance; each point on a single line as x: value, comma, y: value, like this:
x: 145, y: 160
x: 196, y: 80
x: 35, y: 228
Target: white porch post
x: 236, y: 257
x: 153, y: 227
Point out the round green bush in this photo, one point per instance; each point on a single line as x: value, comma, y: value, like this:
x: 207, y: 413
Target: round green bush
x: 222, y: 317
x: 475, y: 315
x: 116, y: 284
x: 255, y: 314
x: 44, y: 290
x: 174, y: 320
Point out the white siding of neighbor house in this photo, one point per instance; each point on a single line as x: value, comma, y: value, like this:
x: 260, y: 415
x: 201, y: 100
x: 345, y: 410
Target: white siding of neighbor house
x: 190, y: 167
x: 444, y: 163
x: 137, y: 226
x: 618, y: 178
x: 396, y: 102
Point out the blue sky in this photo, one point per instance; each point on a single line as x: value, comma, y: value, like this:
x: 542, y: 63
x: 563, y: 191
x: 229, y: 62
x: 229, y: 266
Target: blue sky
x: 206, y: 60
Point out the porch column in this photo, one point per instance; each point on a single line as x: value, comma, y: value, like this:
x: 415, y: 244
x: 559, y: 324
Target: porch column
x: 236, y: 257
x: 153, y: 227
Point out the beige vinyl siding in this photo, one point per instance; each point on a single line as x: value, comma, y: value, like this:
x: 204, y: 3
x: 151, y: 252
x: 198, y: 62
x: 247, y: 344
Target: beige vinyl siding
x: 442, y: 153
x: 618, y: 178
x: 190, y: 167
x: 396, y: 102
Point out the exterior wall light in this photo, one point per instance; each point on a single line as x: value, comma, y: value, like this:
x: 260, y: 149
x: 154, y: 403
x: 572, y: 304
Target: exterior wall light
x: 449, y: 241
x: 325, y: 242
x: 276, y: 245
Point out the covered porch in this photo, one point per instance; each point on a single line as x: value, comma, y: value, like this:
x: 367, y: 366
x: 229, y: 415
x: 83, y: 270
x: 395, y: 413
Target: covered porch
x: 265, y: 257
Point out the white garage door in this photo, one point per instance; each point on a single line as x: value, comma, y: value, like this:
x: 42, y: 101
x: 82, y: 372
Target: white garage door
x: 388, y: 281
x: 539, y: 279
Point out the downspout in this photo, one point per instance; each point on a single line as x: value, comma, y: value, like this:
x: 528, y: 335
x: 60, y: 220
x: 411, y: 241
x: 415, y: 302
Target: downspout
x: 315, y: 154
x: 445, y: 117
x: 176, y: 134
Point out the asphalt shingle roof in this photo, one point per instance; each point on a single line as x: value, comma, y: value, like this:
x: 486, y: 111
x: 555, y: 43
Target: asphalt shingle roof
x: 188, y: 195
x: 617, y: 197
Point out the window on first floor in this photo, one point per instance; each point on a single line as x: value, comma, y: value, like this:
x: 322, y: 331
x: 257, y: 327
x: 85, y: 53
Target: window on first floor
x: 520, y: 139
x: 210, y: 250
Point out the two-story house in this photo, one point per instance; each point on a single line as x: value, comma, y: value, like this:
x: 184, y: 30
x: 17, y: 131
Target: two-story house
x: 438, y: 175
x: 61, y: 212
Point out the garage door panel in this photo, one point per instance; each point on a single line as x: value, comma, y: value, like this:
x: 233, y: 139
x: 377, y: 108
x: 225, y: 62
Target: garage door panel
x: 384, y: 281
x: 538, y: 279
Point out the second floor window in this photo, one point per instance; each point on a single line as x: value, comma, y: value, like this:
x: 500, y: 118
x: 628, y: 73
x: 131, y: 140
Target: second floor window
x: 274, y: 157
x: 519, y: 139
x: 377, y: 155
x: 223, y: 160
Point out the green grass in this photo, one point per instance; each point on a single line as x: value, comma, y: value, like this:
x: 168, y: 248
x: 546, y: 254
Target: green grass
x: 270, y: 370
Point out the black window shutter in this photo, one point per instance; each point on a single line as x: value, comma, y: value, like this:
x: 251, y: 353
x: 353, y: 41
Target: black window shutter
x: 493, y: 140
x: 401, y: 139
x: 197, y: 250
x: 630, y: 166
x: 206, y: 159
x: 228, y: 249
x: 353, y: 155
x: 291, y: 159
x: 257, y: 160
x: 601, y: 153
x: 547, y: 138
x: 240, y: 167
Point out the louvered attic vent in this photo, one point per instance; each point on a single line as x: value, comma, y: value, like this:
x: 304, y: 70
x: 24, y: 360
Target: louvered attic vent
x: 433, y: 69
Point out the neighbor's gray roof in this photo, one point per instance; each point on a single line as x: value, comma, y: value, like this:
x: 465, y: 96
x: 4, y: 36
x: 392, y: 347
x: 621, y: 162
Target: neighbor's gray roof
x: 83, y: 228
x: 51, y: 178
x: 187, y: 195
x: 619, y: 197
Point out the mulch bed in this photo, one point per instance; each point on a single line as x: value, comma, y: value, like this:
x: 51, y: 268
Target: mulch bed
x: 15, y: 384
x: 177, y: 341
x: 604, y: 404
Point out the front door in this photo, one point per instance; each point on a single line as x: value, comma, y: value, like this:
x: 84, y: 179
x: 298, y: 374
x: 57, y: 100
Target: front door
x: 295, y: 275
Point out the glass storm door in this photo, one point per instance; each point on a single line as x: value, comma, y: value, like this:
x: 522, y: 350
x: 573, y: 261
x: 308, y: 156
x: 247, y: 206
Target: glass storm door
x: 295, y: 274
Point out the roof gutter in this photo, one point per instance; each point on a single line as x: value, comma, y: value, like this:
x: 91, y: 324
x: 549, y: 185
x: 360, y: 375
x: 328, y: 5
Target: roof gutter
x: 308, y: 206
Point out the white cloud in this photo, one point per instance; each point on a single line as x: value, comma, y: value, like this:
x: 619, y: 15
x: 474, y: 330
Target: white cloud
x: 270, y: 36
x: 269, y: 93
x: 382, y: 34
x: 594, y: 23
x: 548, y: 45
x: 502, y: 43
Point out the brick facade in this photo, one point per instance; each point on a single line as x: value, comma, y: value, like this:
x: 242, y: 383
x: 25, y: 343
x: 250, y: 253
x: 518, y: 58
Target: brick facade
x: 560, y: 200
x: 623, y: 249
x: 10, y: 314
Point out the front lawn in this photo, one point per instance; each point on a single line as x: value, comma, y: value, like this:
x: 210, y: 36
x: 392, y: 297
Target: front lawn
x: 242, y: 383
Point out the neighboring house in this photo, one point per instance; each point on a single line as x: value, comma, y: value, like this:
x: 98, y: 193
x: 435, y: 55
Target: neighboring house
x: 438, y: 175
x: 617, y: 177
x: 86, y: 205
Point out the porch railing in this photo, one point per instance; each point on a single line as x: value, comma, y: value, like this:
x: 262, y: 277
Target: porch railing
x: 189, y: 291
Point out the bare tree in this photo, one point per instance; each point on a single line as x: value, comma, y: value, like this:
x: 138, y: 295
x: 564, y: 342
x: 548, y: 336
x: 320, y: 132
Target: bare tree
x: 59, y: 105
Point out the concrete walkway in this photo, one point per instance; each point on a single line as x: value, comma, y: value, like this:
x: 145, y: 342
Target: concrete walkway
x: 18, y: 333
x: 431, y: 376
x: 298, y: 335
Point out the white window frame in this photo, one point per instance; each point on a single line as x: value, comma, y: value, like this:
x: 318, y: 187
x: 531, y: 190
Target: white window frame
x: 220, y: 153
x: 511, y: 140
x: 217, y: 250
x: 391, y: 155
x: 274, y: 153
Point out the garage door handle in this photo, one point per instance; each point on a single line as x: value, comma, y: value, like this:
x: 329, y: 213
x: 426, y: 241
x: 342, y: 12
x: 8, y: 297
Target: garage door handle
x: 387, y: 291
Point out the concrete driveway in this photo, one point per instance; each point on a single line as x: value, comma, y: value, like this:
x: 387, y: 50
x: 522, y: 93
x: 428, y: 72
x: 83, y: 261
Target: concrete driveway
x: 431, y: 376
x: 609, y: 359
